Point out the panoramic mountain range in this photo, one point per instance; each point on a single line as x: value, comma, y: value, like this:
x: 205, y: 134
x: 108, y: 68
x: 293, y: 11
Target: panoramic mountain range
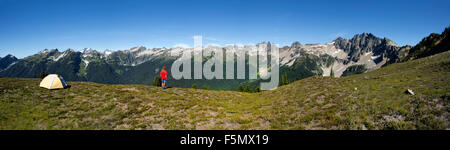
x: 376, y: 100
x: 140, y: 65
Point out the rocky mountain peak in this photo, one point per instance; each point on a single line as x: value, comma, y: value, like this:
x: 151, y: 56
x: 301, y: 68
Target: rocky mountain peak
x: 137, y: 49
x: 365, y: 40
x: 87, y: 50
x: 296, y: 45
x: 10, y: 56
x: 48, y: 51
x: 69, y: 50
x: 389, y: 42
x: 366, y: 43
x: 6, y: 61
x: 107, y: 52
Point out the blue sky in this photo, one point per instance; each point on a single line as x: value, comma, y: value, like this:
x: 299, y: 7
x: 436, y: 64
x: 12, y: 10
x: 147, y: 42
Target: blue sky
x: 27, y: 27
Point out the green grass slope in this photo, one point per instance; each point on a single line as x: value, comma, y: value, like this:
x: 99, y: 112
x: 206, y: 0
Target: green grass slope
x: 373, y: 100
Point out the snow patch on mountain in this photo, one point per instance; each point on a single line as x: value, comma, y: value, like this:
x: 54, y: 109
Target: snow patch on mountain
x: 44, y: 51
x: 86, y: 62
x: 59, y: 57
x: 86, y: 50
x: 9, y: 66
x: 150, y: 52
x: 374, y: 57
x: 146, y: 52
x: 329, y: 49
x: 107, y: 52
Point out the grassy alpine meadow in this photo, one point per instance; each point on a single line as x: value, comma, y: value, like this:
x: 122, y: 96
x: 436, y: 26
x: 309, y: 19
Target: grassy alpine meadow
x: 374, y: 100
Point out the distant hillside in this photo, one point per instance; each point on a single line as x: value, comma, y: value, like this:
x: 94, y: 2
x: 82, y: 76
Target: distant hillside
x: 374, y: 100
x: 433, y: 44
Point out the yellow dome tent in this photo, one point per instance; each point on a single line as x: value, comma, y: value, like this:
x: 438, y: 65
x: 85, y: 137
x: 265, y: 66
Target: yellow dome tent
x: 53, y: 81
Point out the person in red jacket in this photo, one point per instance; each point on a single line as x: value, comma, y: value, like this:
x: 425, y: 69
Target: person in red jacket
x: 163, y: 77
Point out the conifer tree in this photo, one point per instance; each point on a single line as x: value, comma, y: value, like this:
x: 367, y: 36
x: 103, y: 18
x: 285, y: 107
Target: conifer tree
x: 258, y: 89
x: 157, y: 81
x: 248, y: 89
x: 332, y: 73
x: 241, y: 88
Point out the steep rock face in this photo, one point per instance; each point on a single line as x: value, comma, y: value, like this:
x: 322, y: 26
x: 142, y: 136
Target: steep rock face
x: 367, y: 43
x: 363, y: 49
x: 404, y: 51
x: 296, y: 45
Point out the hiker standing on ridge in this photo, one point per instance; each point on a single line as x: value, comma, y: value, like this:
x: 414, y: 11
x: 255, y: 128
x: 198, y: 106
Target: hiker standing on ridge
x: 163, y: 77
